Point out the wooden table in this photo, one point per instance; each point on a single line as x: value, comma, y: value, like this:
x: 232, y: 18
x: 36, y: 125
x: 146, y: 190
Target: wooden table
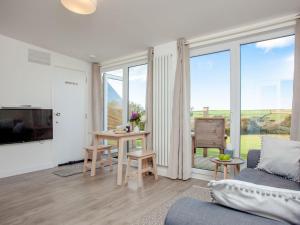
x: 120, y: 138
x: 235, y: 162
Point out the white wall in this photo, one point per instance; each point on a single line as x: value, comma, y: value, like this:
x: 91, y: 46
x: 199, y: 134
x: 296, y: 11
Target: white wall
x: 25, y: 83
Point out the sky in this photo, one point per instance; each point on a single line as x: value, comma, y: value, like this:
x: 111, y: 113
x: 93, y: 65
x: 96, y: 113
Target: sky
x: 137, y: 83
x: 266, y: 76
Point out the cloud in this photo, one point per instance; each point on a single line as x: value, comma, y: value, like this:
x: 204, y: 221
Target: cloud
x: 138, y: 73
x: 275, y: 43
x: 137, y: 77
x: 290, y: 58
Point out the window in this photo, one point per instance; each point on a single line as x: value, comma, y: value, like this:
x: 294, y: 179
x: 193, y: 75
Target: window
x: 137, y: 89
x: 124, y: 92
x: 137, y: 93
x: 210, y: 95
x: 266, y: 91
x: 113, y: 99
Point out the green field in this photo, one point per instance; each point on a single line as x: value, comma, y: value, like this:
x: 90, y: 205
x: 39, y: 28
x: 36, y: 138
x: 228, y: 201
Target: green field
x: 274, y: 122
x: 271, y: 113
x: 254, y: 124
x: 247, y: 142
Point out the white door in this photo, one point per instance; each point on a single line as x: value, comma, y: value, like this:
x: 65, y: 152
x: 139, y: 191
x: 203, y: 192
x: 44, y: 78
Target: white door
x: 69, y: 115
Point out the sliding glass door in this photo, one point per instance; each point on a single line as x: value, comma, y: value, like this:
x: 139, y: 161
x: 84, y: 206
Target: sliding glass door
x: 250, y: 85
x: 210, y: 96
x: 266, y: 91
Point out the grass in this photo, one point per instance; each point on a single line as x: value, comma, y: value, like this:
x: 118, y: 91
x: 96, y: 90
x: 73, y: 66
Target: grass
x: 245, y: 113
x: 250, y: 141
x: 247, y: 142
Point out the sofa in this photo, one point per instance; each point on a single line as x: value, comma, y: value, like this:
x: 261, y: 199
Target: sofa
x: 188, y: 211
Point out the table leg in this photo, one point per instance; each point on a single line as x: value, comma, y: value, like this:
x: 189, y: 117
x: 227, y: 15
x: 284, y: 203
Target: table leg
x: 193, y: 152
x: 144, y: 143
x: 237, y: 169
x: 144, y: 148
x: 225, y: 172
x: 154, y: 166
x: 95, y: 139
x: 120, y: 161
x: 86, y: 159
x: 127, y: 170
x: 140, y: 173
x: 216, y: 170
x: 94, y: 163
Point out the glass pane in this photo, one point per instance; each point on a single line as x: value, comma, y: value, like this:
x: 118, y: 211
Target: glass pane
x: 210, y: 96
x: 137, y: 92
x: 114, y: 103
x: 116, y: 73
x: 113, y: 99
x: 266, y: 91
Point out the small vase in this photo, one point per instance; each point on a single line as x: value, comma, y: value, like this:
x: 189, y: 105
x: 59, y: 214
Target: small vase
x: 136, y: 129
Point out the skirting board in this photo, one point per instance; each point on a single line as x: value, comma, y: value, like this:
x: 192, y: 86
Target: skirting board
x: 162, y: 171
x: 196, y: 174
x: 208, y: 176
x: 26, y: 170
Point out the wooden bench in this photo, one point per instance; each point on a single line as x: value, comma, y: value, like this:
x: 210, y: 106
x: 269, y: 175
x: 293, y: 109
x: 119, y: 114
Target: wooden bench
x: 146, y: 163
x: 91, y: 152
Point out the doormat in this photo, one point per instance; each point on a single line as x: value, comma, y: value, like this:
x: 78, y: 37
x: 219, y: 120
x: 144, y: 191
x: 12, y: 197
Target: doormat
x: 74, y: 169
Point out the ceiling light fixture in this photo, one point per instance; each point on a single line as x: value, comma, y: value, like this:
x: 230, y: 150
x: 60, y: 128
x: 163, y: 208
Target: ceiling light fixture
x: 80, y: 6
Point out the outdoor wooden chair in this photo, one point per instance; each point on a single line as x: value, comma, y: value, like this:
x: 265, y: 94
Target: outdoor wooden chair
x: 209, y: 133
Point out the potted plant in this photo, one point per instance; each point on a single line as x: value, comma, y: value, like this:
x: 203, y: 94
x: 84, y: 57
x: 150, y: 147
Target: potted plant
x: 135, y: 120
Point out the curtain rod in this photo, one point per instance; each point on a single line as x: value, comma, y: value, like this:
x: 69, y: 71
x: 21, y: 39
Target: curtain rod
x: 124, y: 60
x: 217, y: 37
x: 269, y: 25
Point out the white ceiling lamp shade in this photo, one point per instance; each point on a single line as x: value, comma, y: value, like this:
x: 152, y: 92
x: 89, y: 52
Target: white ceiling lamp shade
x: 80, y: 6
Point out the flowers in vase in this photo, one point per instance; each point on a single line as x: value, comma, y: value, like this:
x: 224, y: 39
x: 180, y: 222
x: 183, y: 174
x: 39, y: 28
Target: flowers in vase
x: 135, y: 118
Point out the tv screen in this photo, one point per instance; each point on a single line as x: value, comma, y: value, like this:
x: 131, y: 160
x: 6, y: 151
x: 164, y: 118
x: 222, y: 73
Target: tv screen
x: 25, y: 125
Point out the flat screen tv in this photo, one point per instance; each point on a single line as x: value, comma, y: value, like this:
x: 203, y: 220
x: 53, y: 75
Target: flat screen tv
x: 19, y: 125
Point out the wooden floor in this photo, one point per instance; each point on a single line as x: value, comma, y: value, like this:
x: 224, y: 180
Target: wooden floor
x: 44, y: 198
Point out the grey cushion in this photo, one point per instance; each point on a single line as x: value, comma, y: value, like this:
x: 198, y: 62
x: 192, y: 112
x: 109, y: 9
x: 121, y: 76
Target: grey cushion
x: 260, y: 177
x: 188, y: 211
x: 253, y: 158
x: 280, y: 157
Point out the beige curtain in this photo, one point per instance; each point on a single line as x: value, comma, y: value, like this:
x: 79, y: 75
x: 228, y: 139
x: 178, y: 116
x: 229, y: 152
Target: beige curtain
x: 295, y: 124
x: 179, y: 165
x: 149, y: 99
x: 97, y: 98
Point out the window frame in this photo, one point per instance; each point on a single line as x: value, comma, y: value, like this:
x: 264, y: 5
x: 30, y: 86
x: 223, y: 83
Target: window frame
x: 234, y: 46
x: 125, y: 79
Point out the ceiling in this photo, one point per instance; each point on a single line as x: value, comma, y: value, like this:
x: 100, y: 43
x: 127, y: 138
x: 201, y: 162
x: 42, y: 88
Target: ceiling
x: 122, y: 27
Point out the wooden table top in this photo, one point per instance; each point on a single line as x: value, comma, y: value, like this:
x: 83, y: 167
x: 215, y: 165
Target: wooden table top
x: 119, y: 135
x: 234, y: 161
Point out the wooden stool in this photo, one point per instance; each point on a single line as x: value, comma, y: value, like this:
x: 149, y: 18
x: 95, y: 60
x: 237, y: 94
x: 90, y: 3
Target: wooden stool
x: 144, y: 165
x: 93, y: 151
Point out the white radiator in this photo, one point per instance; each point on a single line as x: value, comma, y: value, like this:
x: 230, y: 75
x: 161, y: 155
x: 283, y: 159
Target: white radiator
x: 163, y: 80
